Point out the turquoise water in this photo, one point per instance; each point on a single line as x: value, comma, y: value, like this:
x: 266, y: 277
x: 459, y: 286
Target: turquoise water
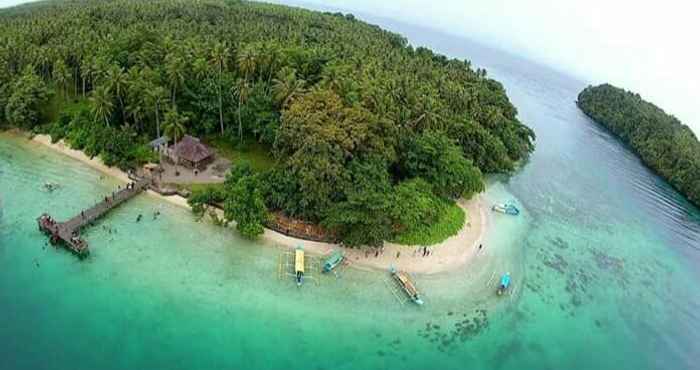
x: 604, y: 259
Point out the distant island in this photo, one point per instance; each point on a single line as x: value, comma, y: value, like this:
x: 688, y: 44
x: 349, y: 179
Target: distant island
x: 666, y: 145
x: 326, y: 120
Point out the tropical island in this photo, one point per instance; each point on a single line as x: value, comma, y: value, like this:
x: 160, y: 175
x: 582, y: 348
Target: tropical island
x: 325, y: 120
x: 667, y: 146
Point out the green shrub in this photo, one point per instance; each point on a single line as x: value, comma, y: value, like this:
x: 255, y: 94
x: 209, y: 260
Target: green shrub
x: 245, y: 204
x: 448, y: 224
x: 200, y: 199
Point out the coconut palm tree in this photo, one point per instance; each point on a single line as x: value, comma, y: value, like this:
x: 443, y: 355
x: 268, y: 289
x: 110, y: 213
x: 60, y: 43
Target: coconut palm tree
x: 86, y: 72
x: 219, y: 58
x: 287, y: 86
x: 116, y: 82
x: 247, y: 62
x: 102, y: 104
x: 175, y: 73
x: 136, y: 111
x: 174, y: 125
x: 241, y: 90
x: 61, y: 75
x: 155, y: 96
x: 174, y: 128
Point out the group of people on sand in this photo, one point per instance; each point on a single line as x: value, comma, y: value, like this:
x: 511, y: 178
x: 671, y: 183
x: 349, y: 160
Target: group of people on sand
x: 380, y: 252
x: 424, y: 250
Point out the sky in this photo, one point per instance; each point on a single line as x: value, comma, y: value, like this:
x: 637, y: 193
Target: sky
x: 649, y: 47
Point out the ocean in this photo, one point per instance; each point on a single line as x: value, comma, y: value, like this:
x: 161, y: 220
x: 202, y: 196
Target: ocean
x: 604, y: 259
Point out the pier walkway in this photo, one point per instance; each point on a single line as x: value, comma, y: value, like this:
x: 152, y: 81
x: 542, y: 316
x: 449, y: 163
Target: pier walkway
x: 68, y: 232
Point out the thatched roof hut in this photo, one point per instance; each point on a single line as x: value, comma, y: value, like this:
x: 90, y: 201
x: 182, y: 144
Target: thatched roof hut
x: 192, y: 153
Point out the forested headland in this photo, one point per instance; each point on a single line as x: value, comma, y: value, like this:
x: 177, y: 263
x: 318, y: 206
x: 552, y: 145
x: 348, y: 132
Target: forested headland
x: 366, y: 135
x: 664, y: 144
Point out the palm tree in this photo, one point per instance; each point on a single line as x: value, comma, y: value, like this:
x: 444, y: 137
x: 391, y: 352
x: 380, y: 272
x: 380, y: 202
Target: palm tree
x: 102, y: 104
x: 155, y: 96
x: 42, y: 58
x: 200, y: 67
x: 219, y: 58
x: 61, y: 75
x: 136, y: 111
x: 115, y: 79
x: 175, y: 72
x: 242, y: 89
x: 272, y: 54
x: 174, y: 125
x: 174, y: 128
x: 247, y: 62
x: 287, y: 86
x: 86, y: 71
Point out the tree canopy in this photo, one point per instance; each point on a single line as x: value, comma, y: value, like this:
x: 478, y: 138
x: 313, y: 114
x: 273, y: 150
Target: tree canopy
x: 326, y: 93
x: 666, y: 145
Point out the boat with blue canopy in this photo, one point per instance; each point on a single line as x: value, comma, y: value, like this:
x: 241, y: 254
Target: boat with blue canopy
x: 506, y: 208
x: 505, y: 283
x: 333, y: 261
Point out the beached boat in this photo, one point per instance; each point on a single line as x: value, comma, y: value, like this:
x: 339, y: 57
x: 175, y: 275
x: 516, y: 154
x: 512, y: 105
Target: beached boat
x: 299, y: 265
x: 506, y: 208
x: 405, y: 282
x: 333, y: 261
x: 505, y: 284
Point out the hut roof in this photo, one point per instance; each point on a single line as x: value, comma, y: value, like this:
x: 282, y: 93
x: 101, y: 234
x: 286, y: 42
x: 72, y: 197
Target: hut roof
x: 159, y: 142
x: 191, y: 149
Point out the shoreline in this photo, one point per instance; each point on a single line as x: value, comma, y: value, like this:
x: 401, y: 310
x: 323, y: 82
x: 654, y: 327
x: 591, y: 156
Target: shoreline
x: 453, y: 253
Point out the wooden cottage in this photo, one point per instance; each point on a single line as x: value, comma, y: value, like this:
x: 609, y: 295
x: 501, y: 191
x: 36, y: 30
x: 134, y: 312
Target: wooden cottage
x: 192, y: 153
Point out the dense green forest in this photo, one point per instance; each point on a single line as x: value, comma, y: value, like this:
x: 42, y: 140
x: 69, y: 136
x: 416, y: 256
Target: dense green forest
x: 665, y: 144
x: 369, y: 136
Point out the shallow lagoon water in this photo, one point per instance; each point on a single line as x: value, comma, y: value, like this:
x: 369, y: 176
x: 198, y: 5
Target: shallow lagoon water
x: 604, y: 260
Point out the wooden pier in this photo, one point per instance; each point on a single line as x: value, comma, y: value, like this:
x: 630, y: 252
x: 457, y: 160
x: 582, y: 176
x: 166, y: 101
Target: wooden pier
x: 68, y: 233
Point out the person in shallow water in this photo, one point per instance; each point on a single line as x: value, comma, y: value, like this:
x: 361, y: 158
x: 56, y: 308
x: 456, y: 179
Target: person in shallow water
x: 138, y: 219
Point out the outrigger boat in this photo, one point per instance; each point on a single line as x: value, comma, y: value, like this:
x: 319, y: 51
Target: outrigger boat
x: 407, y: 285
x: 506, y: 208
x: 333, y: 261
x: 299, y: 265
x: 505, y: 283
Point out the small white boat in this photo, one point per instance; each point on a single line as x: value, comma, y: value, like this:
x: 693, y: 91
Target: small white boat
x: 506, y: 208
